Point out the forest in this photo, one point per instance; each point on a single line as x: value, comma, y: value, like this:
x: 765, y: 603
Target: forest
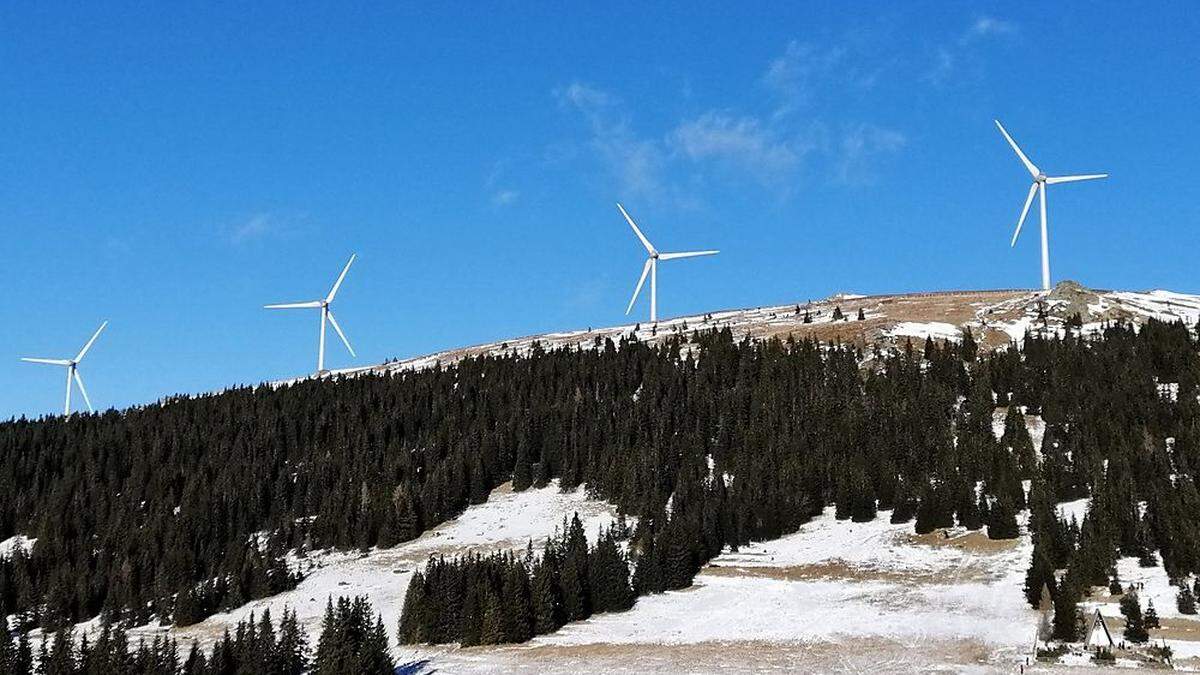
x: 178, y: 509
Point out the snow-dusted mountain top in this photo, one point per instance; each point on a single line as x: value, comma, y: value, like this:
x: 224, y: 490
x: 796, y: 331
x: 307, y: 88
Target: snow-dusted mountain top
x: 996, y: 318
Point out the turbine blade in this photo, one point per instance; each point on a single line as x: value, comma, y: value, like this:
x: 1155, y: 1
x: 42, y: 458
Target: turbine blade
x: 641, y: 280
x: 1024, y: 212
x: 645, y: 242
x: 89, y: 343
x: 52, y: 362
x: 338, y: 284
x: 1072, y: 179
x: 295, y: 305
x: 342, y: 335
x: 79, y: 381
x: 1033, y: 170
x: 689, y: 254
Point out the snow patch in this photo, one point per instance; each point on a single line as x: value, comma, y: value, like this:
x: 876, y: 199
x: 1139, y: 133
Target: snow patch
x: 9, y: 545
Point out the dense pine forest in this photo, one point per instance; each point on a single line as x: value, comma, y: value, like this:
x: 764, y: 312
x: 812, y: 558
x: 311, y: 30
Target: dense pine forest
x: 178, y: 509
x: 353, y: 640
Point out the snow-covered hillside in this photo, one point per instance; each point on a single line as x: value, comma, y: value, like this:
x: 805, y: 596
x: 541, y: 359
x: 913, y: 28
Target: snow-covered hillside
x: 836, y: 595
x: 507, y: 521
x: 995, y: 318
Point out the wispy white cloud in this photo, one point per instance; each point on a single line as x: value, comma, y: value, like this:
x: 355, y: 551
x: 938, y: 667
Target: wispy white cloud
x: 796, y: 121
x: 949, y: 57
x: 636, y: 162
x: 261, y: 226
x: 505, y: 197
x: 254, y: 227
x: 861, y: 146
x: 744, y: 142
x: 984, y: 26
x: 496, y: 188
x: 797, y: 75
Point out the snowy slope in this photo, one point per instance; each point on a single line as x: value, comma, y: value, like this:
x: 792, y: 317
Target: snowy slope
x: 834, y: 596
x: 508, y: 520
x: 995, y: 318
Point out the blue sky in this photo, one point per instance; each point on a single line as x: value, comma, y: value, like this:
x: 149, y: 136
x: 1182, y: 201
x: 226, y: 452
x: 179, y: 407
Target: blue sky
x: 172, y: 169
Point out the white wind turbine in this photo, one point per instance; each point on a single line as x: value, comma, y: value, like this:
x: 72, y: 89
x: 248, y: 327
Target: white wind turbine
x: 326, y: 315
x: 72, y: 366
x: 651, y: 267
x: 1040, y: 181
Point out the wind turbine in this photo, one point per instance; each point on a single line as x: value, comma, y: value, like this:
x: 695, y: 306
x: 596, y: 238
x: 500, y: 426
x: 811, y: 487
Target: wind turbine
x: 326, y: 315
x: 72, y: 366
x: 1040, y: 181
x: 651, y: 267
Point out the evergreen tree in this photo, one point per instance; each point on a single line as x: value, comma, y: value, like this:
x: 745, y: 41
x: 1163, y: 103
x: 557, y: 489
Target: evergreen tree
x: 1151, y: 616
x: 1040, y: 574
x: 1135, y: 627
x: 1185, y: 601
x: 1067, y: 620
x: 1003, y: 521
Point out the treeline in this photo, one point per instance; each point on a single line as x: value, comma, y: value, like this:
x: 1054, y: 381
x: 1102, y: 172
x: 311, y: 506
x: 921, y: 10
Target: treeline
x: 484, y: 600
x: 184, y: 507
x: 352, y: 640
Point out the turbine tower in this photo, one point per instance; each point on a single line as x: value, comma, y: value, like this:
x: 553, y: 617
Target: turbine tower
x: 72, y: 366
x: 326, y: 315
x: 1040, y: 181
x: 651, y: 267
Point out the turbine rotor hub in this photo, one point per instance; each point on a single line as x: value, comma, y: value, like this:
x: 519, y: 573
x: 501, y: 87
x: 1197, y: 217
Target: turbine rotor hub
x: 1041, y: 178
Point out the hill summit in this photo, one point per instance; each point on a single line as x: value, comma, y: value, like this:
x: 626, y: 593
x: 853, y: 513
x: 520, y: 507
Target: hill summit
x: 995, y: 319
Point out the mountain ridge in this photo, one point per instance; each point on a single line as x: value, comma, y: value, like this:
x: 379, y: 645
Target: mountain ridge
x: 996, y: 318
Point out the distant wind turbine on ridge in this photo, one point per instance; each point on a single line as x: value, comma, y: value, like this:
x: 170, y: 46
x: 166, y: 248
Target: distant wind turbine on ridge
x: 72, y: 366
x: 1040, y: 181
x: 326, y: 315
x: 651, y: 267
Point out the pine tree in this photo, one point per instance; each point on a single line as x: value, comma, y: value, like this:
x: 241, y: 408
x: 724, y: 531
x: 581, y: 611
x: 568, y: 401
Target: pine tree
x: 518, y: 605
x: 1040, y: 574
x: 293, y: 645
x: 411, y: 629
x: 1067, y: 621
x: 1151, y: 616
x: 61, y: 658
x: 574, y: 595
x: 1135, y: 627
x: 545, y: 613
x: 375, y: 659
x: 1185, y: 601
x: 196, y: 663
x: 330, y: 658
x: 491, y: 631
x: 8, y: 649
x: 1003, y: 520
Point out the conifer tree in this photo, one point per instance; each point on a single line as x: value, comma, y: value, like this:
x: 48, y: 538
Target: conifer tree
x: 1067, y: 620
x: 1135, y: 627
x: 544, y: 599
x: 1003, y: 521
x: 1151, y: 616
x: 1039, y: 574
x: 1185, y: 601
x: 293, y: 645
